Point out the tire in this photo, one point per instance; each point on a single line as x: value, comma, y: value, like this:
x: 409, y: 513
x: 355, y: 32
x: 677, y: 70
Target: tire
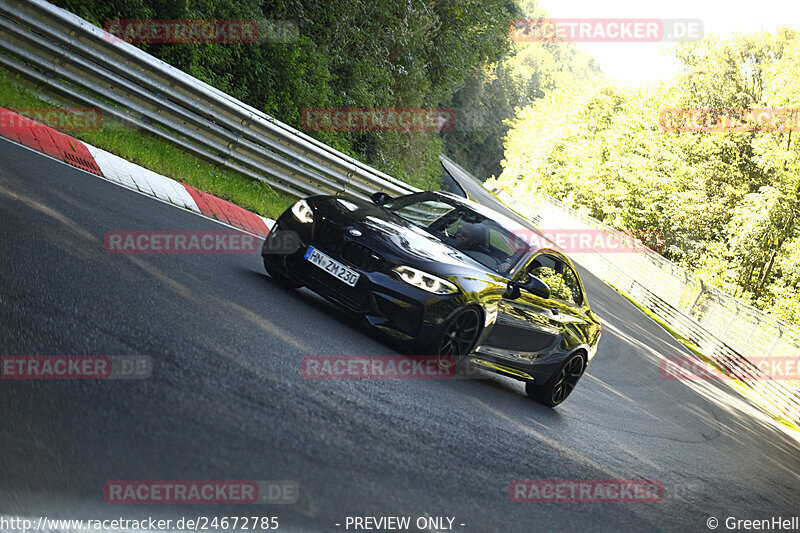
x: 457, y: 337
x: 280, y: 277
x: 561, y: 384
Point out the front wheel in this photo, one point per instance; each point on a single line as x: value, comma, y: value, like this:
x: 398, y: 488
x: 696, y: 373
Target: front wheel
x: 561, y: 384
x: 457, y: 338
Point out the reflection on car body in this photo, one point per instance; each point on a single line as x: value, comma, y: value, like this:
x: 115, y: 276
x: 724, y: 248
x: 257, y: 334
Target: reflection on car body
x: 448, y: 276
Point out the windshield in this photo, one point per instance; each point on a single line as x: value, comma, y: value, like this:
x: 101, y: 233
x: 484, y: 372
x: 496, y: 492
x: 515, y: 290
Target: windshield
x: 474, y: 234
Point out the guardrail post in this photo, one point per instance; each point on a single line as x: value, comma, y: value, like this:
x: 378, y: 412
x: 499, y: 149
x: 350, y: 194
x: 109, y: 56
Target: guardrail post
x: 697, y: 300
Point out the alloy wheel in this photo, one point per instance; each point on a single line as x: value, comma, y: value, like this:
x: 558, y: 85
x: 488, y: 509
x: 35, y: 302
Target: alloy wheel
x: 567, y: 379
x: 459, y: 335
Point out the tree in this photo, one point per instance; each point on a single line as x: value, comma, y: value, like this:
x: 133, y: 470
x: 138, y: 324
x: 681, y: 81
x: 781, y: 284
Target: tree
x: 727, y: 202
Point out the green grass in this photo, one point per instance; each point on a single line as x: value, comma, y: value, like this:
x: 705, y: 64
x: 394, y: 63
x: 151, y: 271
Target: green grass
x: 157, y: 155
x: 738, y: 385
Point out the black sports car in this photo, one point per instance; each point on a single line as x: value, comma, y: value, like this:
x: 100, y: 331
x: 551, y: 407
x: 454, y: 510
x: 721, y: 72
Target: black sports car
x: 450, y: 276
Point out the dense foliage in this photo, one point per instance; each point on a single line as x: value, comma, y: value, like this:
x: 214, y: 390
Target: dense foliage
x: 373, y: 53
x: 727, y: 202
x: 491, y: 95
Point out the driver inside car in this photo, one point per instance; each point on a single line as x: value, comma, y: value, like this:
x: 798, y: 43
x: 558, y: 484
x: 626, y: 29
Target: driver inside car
x: 472, y: 239
x: 468, y: 237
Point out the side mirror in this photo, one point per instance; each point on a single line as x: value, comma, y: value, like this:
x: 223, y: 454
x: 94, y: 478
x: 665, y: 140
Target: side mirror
x: 512, y: 291
x: 380, y: 198
x: 534, y: 286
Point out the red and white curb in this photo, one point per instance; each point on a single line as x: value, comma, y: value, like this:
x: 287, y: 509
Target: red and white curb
x: 122, y: 172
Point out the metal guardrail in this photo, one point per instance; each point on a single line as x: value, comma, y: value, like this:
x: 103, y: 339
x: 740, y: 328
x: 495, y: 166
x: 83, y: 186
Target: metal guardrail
x: 68, y: 56
x: 701, y: 314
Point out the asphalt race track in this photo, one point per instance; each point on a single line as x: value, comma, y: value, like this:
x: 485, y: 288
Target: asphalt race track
x: 226, y: 399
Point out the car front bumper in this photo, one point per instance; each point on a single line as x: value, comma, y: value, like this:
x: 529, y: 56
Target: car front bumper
x: 387, y: 303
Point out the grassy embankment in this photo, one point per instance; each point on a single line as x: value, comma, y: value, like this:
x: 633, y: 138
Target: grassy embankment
x: 156, y: 154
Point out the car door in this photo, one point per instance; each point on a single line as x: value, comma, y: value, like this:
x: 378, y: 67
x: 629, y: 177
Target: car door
x: 523, y: 327
x: 566, y: 302
x: 529, y: 326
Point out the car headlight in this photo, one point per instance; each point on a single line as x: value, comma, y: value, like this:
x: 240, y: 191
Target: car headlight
x: 302, y: 212
x: 425, y: 281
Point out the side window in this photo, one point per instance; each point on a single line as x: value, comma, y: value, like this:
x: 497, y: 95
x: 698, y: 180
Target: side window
x: 561, y: 279
x: 571, y: 279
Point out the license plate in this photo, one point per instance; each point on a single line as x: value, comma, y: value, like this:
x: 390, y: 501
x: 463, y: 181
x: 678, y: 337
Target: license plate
x: 332, y: 266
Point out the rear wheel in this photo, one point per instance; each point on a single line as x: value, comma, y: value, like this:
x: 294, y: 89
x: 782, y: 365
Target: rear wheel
x: 561, y: 384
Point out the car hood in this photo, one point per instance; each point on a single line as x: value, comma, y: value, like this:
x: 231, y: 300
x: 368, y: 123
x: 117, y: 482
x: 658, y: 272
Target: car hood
x: 395, y: 237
